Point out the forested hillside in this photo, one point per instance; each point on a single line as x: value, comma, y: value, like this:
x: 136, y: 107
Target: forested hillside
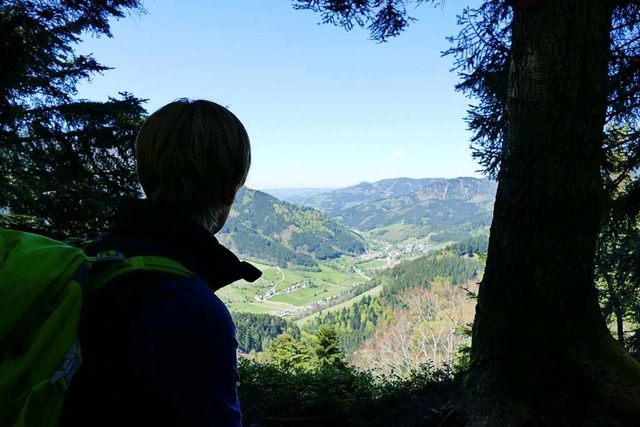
x: 422, y: 272
x: 263, y: 227
x: 428, y: 294
x: 253, y: 331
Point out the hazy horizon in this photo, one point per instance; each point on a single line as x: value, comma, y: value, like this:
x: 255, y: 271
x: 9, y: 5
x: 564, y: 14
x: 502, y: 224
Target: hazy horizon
x: 362, y: 182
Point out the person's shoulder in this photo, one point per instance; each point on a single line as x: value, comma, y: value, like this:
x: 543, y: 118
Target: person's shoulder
x: 190, y: 299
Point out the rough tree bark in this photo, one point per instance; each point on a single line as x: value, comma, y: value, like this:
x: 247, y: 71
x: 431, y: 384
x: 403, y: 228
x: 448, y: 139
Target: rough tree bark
x: 541, y: 353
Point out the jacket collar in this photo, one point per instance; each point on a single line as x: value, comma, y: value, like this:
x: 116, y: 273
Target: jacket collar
x: 169, y: 231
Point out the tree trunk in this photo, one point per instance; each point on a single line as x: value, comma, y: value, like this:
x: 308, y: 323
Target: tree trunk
x: 617, y: 308
x: 541, y: 353
x: 620, y: 326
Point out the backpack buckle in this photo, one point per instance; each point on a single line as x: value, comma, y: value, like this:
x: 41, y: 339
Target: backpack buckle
x: 109, y: 256
x: 61, y: 380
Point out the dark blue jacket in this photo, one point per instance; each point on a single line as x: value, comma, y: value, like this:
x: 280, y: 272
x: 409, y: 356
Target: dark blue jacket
x: 159, y: 350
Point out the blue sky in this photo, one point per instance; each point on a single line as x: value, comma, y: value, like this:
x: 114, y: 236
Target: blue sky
x: 323, y: 107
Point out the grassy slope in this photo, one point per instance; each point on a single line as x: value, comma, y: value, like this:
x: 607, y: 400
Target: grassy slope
x: 318, y: 285
x: 371, y: 292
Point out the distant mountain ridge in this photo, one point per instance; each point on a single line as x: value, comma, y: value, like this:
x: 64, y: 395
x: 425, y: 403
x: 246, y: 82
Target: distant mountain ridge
x: 437, y: 210
x: 263, y: 227
x: 295, y: 195
x: 480, y: 191
x: 402, y: 208
x: 331, y: 202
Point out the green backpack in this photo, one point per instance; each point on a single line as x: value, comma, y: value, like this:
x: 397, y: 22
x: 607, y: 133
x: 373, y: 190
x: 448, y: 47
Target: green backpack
x: 42, y: 286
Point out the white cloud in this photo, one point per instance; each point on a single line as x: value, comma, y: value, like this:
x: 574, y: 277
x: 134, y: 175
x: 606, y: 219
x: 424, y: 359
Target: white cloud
x: 398, y: 153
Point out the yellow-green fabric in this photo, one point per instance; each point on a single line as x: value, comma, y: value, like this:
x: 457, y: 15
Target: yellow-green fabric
x: 39, y: 314
x: 40, y: 307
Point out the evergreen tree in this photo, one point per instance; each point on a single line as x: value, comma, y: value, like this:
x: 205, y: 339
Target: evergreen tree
x: 619, y: 246
x: 327, y: 347
x: 254, y: 330
x: 64, y: 162
x: 289, y: 353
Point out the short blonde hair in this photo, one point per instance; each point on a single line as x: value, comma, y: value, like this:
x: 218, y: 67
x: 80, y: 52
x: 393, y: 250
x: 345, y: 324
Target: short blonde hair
x: 193, y: 154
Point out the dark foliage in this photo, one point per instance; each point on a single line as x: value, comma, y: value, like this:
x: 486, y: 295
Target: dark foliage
x: 383, y: 19
x: 254, y: 330
x: 618, y: 256
x: 474, y: 245
x: 355, y: 324
x: 419, y: 272
x: 67, y: 174
x: 481, y: 51
x: 342, y: 396
x: 64, y: 162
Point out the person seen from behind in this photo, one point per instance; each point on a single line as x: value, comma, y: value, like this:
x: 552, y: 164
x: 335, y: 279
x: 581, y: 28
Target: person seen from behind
x: 160, y: 349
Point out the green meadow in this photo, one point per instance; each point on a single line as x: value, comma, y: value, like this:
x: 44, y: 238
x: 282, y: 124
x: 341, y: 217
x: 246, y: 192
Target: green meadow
x: 333, y: 279
x: 374, y: 263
